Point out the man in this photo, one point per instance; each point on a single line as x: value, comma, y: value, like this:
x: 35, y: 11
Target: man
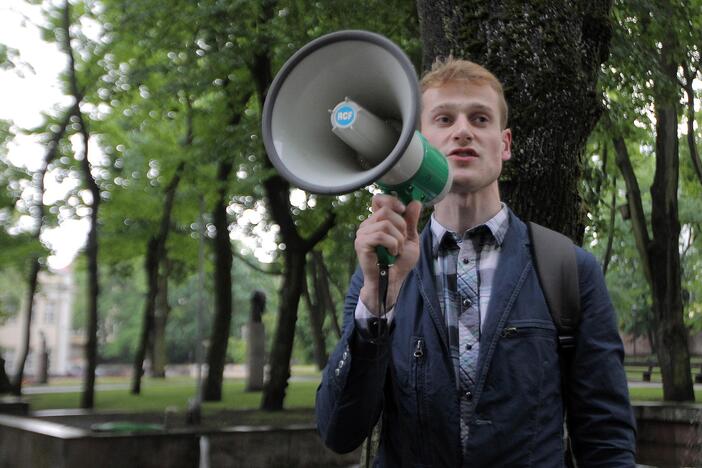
x: 469, y: 374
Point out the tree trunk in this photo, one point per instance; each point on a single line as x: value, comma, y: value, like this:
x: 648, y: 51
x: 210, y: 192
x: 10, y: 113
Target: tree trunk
x: 547, y: 55
x: 151, y: 268
x: 31, y: 291
x: 219, y: 339
x: 315, y: 306
x: 155, y: 251
x: 660, y: 253
x: 671, y: 333
x: 322, y: 285
x: 5, y: 385
x: 610, y: 234
x: 91, y: 249
x: 639, y: 224
x: 290, y: 291
x: 161, y: 311
x: 35, y: 266
x: 296, y: 248
x: 691, y: 143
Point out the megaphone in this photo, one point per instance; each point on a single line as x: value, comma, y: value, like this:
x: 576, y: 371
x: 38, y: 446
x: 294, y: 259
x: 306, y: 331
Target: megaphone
x: 342, y: 114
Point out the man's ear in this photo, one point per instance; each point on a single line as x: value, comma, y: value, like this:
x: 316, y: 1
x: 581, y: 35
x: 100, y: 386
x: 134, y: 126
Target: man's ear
x: 506, y: 144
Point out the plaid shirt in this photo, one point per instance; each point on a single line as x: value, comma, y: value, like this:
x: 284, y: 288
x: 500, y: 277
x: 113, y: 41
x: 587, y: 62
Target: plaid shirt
x: 480, y: 244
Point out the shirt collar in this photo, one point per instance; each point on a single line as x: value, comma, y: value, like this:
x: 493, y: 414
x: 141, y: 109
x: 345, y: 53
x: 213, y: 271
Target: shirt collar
x: 497, y: 225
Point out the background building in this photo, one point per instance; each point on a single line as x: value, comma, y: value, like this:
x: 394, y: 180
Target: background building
x: 51, y: 322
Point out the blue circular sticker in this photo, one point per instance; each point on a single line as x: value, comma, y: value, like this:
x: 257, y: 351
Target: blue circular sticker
x: 344, y: 116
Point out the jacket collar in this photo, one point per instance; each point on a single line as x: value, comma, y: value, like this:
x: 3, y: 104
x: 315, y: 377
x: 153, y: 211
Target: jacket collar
x: 511, y: 272
x: 427, y: 288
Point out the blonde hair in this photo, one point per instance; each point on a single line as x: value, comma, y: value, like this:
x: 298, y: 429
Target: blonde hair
x: 451, y: 69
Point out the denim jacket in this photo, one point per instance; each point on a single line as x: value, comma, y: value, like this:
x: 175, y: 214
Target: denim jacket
x: 518, y: 418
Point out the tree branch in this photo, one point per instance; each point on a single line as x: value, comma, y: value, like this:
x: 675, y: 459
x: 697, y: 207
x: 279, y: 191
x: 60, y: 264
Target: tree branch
x: 633, y: 196
x: 610, y: 234
x: 320, y: 232
x: 691, y: 143
x: 255, y: 266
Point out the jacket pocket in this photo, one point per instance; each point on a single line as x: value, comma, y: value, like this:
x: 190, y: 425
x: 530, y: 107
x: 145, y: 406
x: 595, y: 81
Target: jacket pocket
x: 528, y: 367
x: 529, y: 328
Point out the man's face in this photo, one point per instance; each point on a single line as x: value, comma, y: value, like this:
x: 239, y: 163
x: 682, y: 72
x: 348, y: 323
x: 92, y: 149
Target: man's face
x: 462, y: 120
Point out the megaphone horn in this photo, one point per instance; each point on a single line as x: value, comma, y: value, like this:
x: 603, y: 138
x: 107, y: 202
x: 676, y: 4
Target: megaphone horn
x: 342, y: 114
x: 371, y: 88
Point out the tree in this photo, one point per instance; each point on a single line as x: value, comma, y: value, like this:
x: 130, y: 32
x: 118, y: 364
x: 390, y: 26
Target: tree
x: 35, y: 260
x: 397, y: 21
x: 88, y: 396
x: 9, y: 304
x: 660, y: 50
x: 155, y: 256
x: 547, y: 55
x: 24, y: 251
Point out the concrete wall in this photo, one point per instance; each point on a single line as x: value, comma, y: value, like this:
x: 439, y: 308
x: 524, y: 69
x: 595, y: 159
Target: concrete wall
x: 669, y: 434
x: 34, y: 443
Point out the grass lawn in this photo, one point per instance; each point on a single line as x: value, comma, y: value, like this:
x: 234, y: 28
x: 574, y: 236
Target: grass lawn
x: 654, y: 394
x: 159, y: 394
x: 174, y: 392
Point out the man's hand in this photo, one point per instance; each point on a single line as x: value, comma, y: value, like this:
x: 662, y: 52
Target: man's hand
x: 393, y: 226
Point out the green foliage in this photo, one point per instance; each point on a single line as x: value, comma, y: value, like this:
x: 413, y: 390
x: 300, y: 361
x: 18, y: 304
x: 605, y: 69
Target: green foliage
x: 12, y: 293
x: 169, y: 82
x: 632, y: 80
x: 6, y: 56
x: 122, y: 302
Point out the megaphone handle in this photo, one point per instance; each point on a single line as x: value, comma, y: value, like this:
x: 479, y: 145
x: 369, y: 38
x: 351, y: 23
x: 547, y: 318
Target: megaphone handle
x: 384, y: 257
x: 405, y: 196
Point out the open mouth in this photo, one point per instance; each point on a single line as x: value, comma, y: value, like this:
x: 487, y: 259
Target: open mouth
x: 463, y: 153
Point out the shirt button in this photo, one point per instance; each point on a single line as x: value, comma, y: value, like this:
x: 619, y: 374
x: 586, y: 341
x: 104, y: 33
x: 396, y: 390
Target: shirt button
x: 467, y: 302
x: 466, y: 260
x: 337, y: 372
x: 469, y: 396
x: 341, y: 364
x: 469, y: 347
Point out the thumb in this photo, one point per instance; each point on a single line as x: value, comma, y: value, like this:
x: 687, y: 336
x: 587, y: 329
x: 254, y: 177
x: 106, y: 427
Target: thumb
x: 414, y: 209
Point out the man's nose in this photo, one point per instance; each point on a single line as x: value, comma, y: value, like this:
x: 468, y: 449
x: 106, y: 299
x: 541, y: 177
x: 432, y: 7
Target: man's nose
x: 462, y: 132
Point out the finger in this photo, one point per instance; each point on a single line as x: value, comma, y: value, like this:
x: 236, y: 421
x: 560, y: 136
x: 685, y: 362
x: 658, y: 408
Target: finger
x: 391, y: 202
x: 411, y: 217
x: 386, y: 214
x: 384, y: 226
x: 367, y: 239
x: 392, y: 244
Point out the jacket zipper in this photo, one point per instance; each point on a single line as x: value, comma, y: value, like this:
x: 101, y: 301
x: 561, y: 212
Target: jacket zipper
x: 512, y: 332
x: 418, y: 360
x: 419, y: 350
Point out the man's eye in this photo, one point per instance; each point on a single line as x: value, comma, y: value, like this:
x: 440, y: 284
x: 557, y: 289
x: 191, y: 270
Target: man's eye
x: 481, y: 119
x: 443, y: 119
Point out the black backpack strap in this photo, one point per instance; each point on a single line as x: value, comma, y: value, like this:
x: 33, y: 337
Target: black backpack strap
x: 557, y: 269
